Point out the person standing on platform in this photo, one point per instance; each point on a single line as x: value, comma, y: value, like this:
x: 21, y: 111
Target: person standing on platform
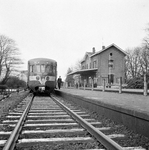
x: 18, y: 89
x: 59, y: 81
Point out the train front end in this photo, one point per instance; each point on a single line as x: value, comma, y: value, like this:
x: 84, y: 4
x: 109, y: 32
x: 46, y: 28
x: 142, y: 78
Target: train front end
x: 42, y: 75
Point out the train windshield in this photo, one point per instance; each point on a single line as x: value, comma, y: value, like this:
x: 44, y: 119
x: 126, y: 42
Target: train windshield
x: 50, y: 69
x: 38, y: 68
x: 42, y: 68
x: 34, y: 68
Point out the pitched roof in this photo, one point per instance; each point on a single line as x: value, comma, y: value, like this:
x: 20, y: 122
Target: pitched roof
x: 87, y: 53
x: 41, y: 60
x: 125, y: 53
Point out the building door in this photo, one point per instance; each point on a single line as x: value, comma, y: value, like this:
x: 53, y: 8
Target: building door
x: 111, y: 78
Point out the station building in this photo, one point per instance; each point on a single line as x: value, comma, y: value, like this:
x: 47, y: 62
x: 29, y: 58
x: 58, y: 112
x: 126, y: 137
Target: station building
x: 106, y: 65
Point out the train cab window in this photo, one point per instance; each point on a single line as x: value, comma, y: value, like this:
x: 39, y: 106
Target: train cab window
x: 38, y: 68
x: 42, y: 68
x: 34, y: 68
x: 49, y: 68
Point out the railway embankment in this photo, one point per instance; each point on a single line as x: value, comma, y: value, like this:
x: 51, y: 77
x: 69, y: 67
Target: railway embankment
x: 130, y: 110
x: 11, y: 102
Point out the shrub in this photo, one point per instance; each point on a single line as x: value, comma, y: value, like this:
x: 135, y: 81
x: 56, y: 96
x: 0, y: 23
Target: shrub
x: 137, y: 83
x: 3, y: 87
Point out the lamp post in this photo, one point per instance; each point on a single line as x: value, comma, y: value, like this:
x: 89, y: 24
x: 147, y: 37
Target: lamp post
x: 103, y: 85
x: 145, y: 85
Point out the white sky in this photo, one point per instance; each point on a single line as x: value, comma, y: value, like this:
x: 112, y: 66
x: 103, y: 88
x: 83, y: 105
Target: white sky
x: 64, y: 30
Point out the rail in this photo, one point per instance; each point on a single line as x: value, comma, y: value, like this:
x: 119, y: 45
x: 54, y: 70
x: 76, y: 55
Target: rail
x: 106, y: 141
x: 10, y: 144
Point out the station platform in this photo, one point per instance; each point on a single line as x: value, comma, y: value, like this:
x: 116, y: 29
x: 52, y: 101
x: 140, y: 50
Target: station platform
x: 127, y: 100
x: 131, y: 110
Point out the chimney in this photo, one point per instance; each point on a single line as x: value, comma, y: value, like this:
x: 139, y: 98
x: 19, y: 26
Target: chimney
x: 103, y: 47
x: 93, y: 50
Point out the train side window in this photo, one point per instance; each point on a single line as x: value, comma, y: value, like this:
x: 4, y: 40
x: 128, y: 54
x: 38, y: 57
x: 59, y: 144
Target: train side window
x: 42, y: 68
x: 31, y: 68
x: 54, y: 69
x: 38, y: 68
x: 51, y: 69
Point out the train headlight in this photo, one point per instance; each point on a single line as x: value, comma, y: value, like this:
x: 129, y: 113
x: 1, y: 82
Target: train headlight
x: 47, y: 78
x: 37, y: 78
x: 50, y: 78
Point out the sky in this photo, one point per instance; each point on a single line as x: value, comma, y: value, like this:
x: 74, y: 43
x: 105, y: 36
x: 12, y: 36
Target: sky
x: 64, y: 30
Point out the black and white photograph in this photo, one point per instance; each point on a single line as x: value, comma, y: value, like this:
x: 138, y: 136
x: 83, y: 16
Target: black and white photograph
x: 74, y: 74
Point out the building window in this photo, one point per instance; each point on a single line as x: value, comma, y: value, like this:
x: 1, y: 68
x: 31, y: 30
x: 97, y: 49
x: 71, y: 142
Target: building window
x: 111, y: 66
x: 86, y: 66
x: 95, y: 64
x: 111, y: 61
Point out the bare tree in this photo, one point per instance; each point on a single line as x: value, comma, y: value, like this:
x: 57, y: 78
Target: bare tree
x: 145, y: 59
x: 9, y: 57
x: 145, y: 52
x: 137, y: 61
x: 146, y: 38
x: 77, y: 65
x: 69, y: 78
x: 133, y: 63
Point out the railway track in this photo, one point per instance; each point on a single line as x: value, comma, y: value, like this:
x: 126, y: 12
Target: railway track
x: 47, y: 123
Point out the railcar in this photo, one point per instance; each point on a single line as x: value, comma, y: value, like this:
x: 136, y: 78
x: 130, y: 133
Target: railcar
x: 42, y: 75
